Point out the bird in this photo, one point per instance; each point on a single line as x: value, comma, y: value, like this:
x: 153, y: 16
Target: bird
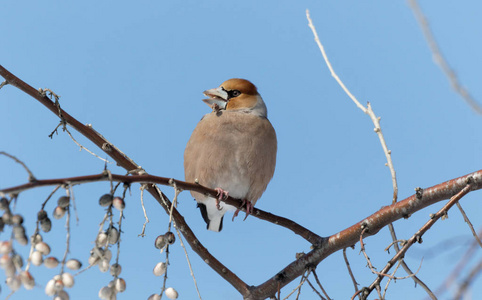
x: 232, y: 149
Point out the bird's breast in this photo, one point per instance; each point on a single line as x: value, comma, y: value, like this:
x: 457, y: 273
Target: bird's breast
x: 235, y: 151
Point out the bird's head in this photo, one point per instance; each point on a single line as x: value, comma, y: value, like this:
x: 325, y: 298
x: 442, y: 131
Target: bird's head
x: 236, y: 94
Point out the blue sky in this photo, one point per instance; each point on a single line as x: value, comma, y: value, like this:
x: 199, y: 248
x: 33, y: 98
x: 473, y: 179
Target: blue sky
x: 136, y: 72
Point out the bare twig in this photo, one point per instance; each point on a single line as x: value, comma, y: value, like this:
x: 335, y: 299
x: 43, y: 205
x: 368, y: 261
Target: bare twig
x: 82, y: 147
x: 407, y: 269
x: 314, y: 289
x: 189, y: 263
x: 469, y: 223
x: 417, y: 237
x: 31, y: 177
x: 367, y: 110
x: 67, y: 240
x: 302, y: 281
x: 440, y: 59
x: 319, y: 284
x: 4, y: 83
x: 369, y: 262
x: 347, y: 263
x: 143, y: 187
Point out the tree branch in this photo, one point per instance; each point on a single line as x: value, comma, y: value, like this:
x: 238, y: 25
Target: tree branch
x: 263, y: 215
x: 373, y: 223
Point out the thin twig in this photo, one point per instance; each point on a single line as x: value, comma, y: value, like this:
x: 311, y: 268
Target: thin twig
x: 347, y: 263
x: 174, y: 202
x: 189, y: 263
x: 4, y: 83
x: 367, y: 110
x: 50, y: 196
x: 67, y: 240
x: 469, y: 223
x: 390, y: 279
x: 314, y: 289
x: 319, y: 284
x: 121, y: 216
x: 303, y: 279
x: 143, y: 187
x: 82, y: 147
x: 407, y: 269
x: 440, y: 59
x: 369, y: 262
x: 31, y: 177
x: 402, y: 242
x: 165, y: 273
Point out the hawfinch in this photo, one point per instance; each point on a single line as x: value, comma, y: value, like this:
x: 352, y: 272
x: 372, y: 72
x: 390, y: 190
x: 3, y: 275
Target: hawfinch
x: 232, y: 149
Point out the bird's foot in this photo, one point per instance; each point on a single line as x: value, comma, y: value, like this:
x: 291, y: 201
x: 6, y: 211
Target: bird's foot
x: 222, y: 194
x: 249, y: 209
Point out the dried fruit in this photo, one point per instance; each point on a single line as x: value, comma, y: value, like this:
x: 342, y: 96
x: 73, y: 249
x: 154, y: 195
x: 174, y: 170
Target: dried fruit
x: 159, y: 269
x: 171, y: 293
x: 103, y: 265
x: 61, y: 295
x: 51, y: 262
x: 17, y: 219
x: 7, y: 218
x: 5, y: 247
x: 73, y: 264
x: 119, y: 203
x: 115, y: 269
x: 46, y: 225
x: 36, y: 258
x: 59, y: 212
x: 120, y: 285
x: 106, y: 200
x: 27, y: 280
x: 68, y: 280
x: 170, y: 237
x: 63, y: 201
x: 106, y: 293
x: 50, y: 288
x: 4, y: 203
x: 43, y: 248
x: 112, y: 235
x: 42, y: 214
x: 13, y: 283
x: 160, y: 242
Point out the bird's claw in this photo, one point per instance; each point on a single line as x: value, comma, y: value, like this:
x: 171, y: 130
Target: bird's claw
x: 222, y: 194
x: 249, y: 209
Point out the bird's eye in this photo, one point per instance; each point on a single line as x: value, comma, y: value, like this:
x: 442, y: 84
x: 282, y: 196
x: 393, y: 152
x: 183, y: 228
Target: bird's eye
x: 234, y: 93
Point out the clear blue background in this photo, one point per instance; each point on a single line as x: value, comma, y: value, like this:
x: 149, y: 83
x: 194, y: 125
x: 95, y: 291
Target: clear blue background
x: 136, y: 72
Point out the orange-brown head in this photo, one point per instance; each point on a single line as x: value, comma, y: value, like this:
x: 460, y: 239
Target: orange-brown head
x: 236, y: 94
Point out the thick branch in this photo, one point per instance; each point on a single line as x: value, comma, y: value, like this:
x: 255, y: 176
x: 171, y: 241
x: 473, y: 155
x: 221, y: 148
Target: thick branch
x: 417, y: 237
x: 263, y: 215
x: 374, y: 223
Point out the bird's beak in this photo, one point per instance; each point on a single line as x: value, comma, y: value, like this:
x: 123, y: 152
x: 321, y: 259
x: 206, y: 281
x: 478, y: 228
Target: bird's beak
x: 217, y: 96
